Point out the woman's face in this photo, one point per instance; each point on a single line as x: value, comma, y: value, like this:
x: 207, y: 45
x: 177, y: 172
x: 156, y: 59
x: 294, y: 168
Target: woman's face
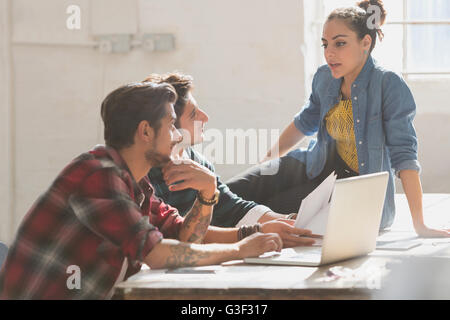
x: 343, y: 51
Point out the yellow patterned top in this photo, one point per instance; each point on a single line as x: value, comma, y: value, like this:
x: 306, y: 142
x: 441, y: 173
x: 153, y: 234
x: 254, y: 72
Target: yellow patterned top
x: 339, y: 121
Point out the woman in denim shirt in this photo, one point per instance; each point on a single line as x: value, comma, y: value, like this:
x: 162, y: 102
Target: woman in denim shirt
x: 362, y: 115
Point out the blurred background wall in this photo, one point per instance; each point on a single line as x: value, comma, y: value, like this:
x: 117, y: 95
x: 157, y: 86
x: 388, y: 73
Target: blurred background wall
x: 251, y: 61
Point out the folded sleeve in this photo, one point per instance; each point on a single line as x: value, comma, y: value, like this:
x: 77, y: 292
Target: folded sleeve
x: 103, y: 204
x: 307, y: 120
x: 165, y: 217
x: 399, y: 110
x: 253, y: 215
x: 231, y: 208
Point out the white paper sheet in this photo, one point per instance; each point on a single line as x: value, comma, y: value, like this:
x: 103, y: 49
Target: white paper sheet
x: 318, y: 224
x: 313, y: 212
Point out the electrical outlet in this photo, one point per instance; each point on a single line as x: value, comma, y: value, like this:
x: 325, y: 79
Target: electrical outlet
x: 105, y: 46
x: 158, y: 42
x: 115, y: 43
x: 121, y: 43
x: 148, y: 44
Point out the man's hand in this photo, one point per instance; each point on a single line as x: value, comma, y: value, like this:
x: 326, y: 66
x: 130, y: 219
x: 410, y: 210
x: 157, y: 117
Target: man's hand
x: 292, y: 237
x: 259, y: 243
x: 270, y: 215
x: 192, y: 175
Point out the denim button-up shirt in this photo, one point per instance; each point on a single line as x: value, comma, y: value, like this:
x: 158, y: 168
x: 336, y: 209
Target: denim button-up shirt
x: 383, y: 111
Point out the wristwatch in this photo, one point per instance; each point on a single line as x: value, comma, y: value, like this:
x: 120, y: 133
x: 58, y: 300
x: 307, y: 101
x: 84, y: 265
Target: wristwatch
x: 209, y: 202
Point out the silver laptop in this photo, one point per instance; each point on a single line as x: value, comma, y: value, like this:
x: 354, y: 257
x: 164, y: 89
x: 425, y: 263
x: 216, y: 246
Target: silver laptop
x: 352, y: 225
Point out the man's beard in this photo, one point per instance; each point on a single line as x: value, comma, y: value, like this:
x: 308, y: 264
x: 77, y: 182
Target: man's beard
x: 156, y: 159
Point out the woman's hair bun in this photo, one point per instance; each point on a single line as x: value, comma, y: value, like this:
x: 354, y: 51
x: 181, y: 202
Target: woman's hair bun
x: 366, y: 3
x: 360, y: 19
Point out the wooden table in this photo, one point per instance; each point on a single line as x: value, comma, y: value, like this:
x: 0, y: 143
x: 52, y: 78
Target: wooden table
x: 380, y: 275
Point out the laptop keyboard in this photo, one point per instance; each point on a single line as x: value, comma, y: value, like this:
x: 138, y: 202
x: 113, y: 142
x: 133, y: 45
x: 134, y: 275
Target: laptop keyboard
x: 291, y: 254
x: 311, y: 254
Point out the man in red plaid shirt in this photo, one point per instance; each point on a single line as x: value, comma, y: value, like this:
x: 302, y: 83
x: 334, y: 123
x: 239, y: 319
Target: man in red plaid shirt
x: 99, y: 217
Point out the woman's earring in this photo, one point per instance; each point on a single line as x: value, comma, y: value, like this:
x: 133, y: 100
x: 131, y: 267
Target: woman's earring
x: 365, y: 52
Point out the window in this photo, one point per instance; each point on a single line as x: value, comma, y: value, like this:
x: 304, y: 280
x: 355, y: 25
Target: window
x: 428, y: 30
x: 417, y: 35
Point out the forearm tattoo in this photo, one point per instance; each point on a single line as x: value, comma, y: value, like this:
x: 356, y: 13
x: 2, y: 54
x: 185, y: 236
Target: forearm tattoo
x: 183, y: 255
x: 201, y: 222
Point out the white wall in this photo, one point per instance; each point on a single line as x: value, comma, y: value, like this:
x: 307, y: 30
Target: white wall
x: 245, y: 57
x: 432, y: 124
x: 6, y: 187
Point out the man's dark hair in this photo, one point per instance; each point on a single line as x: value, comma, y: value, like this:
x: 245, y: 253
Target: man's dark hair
x: 182, y: 84
x: 124, y: 108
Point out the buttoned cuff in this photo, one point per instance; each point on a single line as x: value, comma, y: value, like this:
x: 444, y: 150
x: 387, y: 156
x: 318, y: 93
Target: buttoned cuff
x: 408, y: 165
x: 253, y: 215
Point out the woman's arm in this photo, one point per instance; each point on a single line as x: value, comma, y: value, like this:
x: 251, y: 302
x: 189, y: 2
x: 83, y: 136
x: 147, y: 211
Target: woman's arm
x: 289, y: 138
x: 413, y: 190
x: 399, y: 109
x: 305, y: 123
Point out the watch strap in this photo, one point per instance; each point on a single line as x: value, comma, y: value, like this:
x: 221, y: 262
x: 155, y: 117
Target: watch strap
x: 209, y: 202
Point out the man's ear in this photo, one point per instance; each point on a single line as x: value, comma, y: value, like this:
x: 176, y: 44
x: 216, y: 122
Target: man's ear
x: 144, y: 132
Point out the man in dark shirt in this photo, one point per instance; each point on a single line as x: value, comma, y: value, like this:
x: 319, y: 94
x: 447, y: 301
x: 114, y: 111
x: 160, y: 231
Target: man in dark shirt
x: 232, y: 213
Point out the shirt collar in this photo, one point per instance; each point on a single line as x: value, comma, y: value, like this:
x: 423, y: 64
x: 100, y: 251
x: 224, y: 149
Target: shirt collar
x: 361, y: 80
x: 105, y: 151
x: 143, y: 187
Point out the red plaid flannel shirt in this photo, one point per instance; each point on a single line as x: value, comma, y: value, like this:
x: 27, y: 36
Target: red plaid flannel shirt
x: 93, y: 216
